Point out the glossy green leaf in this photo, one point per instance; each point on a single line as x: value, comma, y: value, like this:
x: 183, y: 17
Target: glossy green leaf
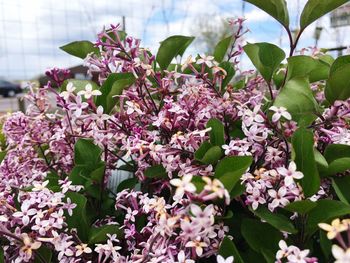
x: 321, y: 161
x: 230, y: 169
x: 278, y: 221
x: 170, y: 48
x: 221, y: 48
x: 314, y: 69
x: 301, y: 109
x: 2, y: 257
x: 112, y: 87
x: 338, y: 166
x: 336, y: 151
x: 276, y: 8
x: 301, y: 207
x: 80, y: 49
x: 79, y: 219
x: 217, y: 133
x: 127, y: 184
x: 156, y: 171
x: 43, y: 253
x: 338, y: 84
x: 260, y: 236
x: 228, y: 248
x: 314, y: 9
x: 325, y: 211
x: 266, y: 58
x: 212, y: 156
x: 303, y: 145
x: 86, y: 152
x: 230, y: 71
x: 341, y: 185
x: 2, y: 155
x: 99, y: 234
x: 326, y: 245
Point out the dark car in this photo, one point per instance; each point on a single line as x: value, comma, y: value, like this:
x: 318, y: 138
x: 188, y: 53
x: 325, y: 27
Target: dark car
x: 9, y: 89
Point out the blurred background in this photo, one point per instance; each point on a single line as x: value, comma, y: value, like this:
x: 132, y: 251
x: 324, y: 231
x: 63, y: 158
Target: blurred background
x: 33, y: 30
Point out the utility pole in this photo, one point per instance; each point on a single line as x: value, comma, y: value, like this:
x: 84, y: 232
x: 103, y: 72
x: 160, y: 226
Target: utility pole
x: 123, y: 23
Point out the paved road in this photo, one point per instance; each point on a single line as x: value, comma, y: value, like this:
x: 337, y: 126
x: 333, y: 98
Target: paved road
x: 9, y: 104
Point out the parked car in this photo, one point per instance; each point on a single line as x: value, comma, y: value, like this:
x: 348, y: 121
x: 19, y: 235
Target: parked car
x: 9, y: 89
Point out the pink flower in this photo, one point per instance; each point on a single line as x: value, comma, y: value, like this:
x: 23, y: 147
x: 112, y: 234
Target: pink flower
x: 290, y: 174
x: 78, y: 107
x: 25, y: 213
x: 278, y: 197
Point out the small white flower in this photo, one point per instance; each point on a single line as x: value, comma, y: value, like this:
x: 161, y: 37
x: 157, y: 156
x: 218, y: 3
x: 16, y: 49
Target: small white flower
x: 188, y: 61
x: 183, y: 185
x: 89, y: 92
x: 82, y: 248
x: 280, y: 112
x: 341, y: 255
x: 221, y: 259
x: 68, y: 92
x: 40, y: 186
x: 208, y: 60
x: 198, y: 245
x: 181, y: 257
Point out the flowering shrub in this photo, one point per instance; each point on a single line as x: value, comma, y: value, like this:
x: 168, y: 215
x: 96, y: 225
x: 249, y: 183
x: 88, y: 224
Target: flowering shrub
x: 217, y: 168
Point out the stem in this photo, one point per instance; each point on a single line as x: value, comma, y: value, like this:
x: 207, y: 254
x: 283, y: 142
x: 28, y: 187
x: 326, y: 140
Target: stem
x: 293, y: 45
x: 270, y: 89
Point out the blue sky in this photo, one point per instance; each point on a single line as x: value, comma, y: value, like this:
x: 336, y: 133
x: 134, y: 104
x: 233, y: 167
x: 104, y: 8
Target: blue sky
x: 32, y: 30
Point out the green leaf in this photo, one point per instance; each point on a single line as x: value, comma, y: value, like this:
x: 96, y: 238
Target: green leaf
x: 301, y: 109
x: 221, y: 48
x: 260, y: 236
x: 79, y: 219
x: 278, y: 221
x: 99, y: 234
x: 113, y: 86
x: 208, y: 153
x: 80, y: 49
x: 217, y: 133
x: 97, y: 174
x: 338, y: 166
x: 45, y: 254
x: 326, y: 244
x: 170, y: 48
x: 321, y: 162
x: 303, y: 145
x: 336, y: 151
x: 307, y: 67
x: 276, y: 8
x: 230, y: 169
x: 325, y: 211
x: 338, y: 84
x: 341, y: 186
x: 86, y: 153
x: 228, y: 248
x: 314, y: 9
x: 156, y: 171
x: 2, y: 257
x: 266, y: 58
x: 127, y: 184
x: 230, y: 70
x: 301, y: 207
x: 2, y: 155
